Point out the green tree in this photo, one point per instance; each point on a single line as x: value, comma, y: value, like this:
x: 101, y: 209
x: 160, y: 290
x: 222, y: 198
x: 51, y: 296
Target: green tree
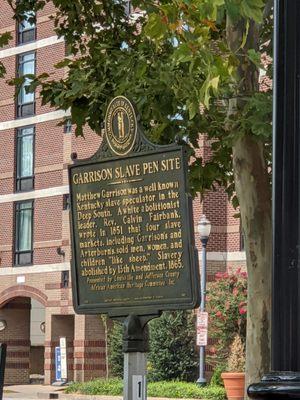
x: 190, y: 66
x: 173, y: 347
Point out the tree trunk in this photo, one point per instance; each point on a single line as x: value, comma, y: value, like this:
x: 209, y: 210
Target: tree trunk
x: 253, y: 190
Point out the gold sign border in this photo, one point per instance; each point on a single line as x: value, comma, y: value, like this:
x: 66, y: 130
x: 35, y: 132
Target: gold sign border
x: 135, y: 127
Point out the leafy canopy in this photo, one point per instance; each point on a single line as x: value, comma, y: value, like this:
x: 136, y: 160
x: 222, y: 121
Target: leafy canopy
x: 4, y: 40
x: 174, y: 60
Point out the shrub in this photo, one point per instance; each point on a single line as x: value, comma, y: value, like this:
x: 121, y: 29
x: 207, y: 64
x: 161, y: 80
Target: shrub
x: 114, y: 387
x: 115, y: 353
x: 184, y: 390
x: 227, y: 308
x: 216, y: 379
x: 173, y: 347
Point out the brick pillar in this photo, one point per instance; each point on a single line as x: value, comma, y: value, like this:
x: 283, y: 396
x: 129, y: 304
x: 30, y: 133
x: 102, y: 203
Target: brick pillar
x: 49, y: 354
x: 58, y: 326
x: 16, y: 313
x: 89, y: 348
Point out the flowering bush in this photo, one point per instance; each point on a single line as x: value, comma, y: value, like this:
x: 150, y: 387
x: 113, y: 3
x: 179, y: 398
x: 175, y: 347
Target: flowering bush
x: 227, y: 309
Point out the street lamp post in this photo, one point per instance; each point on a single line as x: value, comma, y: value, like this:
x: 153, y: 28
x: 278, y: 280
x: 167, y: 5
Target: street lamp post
x: 204, y: 227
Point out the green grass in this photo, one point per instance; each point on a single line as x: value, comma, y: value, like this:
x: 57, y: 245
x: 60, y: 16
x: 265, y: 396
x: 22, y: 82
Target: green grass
x: 179, y: 390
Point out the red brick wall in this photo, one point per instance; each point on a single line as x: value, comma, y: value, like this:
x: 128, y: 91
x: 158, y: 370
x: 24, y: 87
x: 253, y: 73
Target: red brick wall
x: 6, y: 235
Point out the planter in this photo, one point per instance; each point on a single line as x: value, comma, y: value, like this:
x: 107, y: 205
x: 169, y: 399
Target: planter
x: 234, y: 383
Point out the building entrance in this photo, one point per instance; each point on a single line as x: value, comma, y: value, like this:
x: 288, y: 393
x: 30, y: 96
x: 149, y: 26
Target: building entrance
x: 22, y: 328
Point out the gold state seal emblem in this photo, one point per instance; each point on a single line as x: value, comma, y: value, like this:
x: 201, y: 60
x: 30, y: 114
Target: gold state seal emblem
x: 120, y: 126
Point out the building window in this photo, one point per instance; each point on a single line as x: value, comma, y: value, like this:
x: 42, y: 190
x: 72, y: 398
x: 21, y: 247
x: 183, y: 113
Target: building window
x: 68, y: 126
x: 26, y: 101
x: 25, y: 159
x: 24, y: 232
x: 27, y: 28
x: 66, y: 201
x: 65, y: 279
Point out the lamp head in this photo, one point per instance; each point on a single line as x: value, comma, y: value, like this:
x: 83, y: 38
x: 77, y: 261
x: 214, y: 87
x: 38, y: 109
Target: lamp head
x: 204, y: 227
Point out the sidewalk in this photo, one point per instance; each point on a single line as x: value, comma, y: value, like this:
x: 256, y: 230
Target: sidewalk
x: 29, y: 392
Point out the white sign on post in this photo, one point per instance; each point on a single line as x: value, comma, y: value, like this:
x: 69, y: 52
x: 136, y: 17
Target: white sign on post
x: 138, y: 387
x: 63, y: 357
x: 202, y: 324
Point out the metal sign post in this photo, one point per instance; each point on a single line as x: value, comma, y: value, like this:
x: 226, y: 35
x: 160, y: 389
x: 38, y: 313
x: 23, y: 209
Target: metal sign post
x: 2, y: 367
x: 132, y: 234
x: 135, y: 346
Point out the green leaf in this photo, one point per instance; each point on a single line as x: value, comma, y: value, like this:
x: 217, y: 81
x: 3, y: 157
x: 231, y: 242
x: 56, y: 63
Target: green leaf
x: 183, y: 53
x: 252, y: 9
x: 255, y: 57
x: 170, y: 12
x: 233, y: 9
x: 245, y: 35
x: 5, y: 38
x: 193, y: 109
x: 155, y: 29
x: 209, y: 85
x: 64, y: 63
x: 214, y: 83
x: 235, y: 202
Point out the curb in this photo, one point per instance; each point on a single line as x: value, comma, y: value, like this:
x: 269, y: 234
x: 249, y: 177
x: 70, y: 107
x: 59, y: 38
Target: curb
x: 97, y: 397
x: 87, y: 397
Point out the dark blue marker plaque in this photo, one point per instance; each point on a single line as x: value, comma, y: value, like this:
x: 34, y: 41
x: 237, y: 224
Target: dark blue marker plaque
x: 132, y: 227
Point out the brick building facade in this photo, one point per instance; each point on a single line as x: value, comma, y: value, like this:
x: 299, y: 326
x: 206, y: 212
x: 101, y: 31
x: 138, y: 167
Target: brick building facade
x: 34, y: 218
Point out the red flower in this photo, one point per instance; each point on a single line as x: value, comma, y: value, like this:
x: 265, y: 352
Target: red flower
x: 242, y: 311
x: 221, y: 275
x: 218, y: 275
x: 219, y: 314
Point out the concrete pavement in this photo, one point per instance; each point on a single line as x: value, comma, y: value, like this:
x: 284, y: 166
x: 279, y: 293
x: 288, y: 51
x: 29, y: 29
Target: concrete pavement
x: 29, y: 392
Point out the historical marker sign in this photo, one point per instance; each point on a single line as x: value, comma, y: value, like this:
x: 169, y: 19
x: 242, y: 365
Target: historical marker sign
x: 132, y: 232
